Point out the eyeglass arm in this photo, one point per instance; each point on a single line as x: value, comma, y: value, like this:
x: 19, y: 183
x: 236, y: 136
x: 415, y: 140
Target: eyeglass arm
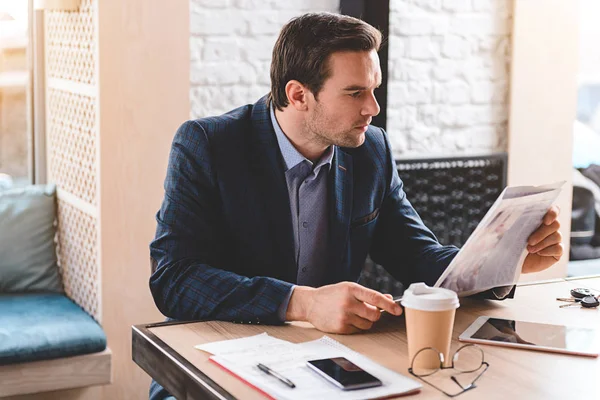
x: 472, y: 384
x: 465, y: 388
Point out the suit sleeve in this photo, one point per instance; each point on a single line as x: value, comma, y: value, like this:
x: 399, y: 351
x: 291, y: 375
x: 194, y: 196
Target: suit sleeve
x: 189, y: 282
x: 404, y: 246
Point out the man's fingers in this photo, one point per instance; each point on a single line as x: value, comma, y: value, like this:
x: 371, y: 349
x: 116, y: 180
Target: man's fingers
x: 551, y: 215
x: 551, y: 240
x: 367, y: 295
x: 376, y: 299
x: 366, y: 311
x: 555, y: 251
x: 543, y: 232
x: 359, y: 322
x: 344, y: 330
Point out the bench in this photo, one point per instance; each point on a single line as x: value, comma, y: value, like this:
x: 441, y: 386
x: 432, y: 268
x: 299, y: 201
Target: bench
x: 47, y: 341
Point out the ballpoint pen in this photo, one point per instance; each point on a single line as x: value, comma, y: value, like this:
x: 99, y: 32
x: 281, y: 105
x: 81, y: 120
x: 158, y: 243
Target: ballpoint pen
x: 396, y: 300
x: 277, y: 375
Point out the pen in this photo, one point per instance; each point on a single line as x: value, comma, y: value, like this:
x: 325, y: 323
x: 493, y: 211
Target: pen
x: 277, y: 375
x: 396, y: 300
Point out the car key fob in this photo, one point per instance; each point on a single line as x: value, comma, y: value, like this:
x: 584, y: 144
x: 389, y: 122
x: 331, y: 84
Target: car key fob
x: 580, y: 293
x: 589, y: 302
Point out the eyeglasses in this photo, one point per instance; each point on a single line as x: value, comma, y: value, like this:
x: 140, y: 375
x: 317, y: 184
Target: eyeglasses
x: 468, y: 358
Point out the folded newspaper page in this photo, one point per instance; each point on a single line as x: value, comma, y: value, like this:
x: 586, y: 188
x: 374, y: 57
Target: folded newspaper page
x: 495, y: 251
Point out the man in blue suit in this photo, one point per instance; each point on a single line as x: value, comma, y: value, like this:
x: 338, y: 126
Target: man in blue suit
x: 271, y: 209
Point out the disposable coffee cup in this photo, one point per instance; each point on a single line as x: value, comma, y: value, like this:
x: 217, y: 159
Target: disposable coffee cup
x: 429, y: 314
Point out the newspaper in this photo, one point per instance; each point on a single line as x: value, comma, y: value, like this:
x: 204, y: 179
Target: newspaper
x: 495, y: 251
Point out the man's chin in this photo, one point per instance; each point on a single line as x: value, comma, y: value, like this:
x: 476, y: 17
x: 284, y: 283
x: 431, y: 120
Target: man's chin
x: 357, y: 141
x: 352, y: 139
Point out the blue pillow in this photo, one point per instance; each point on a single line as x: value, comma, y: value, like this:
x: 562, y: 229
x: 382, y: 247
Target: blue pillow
x: 27, y: 248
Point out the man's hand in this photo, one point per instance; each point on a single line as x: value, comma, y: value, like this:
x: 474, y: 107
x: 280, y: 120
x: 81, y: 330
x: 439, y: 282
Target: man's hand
x: 345, y: 307
x: 544, y: 245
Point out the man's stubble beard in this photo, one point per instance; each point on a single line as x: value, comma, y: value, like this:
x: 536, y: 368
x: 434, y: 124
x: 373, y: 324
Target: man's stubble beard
x: 318, y: 132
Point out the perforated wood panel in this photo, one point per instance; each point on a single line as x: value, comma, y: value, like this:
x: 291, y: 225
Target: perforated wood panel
x: 78, y: 257
x: 71, y: 127
x: 70, y: 44
x: 72, y: 141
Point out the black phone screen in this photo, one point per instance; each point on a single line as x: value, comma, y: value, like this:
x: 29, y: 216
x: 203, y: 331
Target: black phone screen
x: 344, y: 373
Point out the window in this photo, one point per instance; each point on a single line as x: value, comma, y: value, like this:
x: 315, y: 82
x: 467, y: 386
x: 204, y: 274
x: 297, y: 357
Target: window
x: 587, y: 126
x: 585, y: 219
x: 15, y: 149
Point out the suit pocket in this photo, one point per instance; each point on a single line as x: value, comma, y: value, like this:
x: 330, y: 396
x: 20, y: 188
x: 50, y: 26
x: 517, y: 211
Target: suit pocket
x: 365, y: 219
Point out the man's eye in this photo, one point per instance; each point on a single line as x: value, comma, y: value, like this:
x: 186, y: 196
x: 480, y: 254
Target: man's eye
x: 355, y: 94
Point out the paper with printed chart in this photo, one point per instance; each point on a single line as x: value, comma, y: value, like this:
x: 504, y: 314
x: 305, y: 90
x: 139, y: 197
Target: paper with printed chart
x: 494, y: 253
x: 240, y: 357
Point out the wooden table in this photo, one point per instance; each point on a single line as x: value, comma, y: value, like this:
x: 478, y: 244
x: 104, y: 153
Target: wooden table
x: 166, y: 352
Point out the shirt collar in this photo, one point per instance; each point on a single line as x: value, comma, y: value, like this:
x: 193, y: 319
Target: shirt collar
x: 291, y: 156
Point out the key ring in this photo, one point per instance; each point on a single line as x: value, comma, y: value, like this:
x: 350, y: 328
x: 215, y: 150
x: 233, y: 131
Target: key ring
x: 584, y: 302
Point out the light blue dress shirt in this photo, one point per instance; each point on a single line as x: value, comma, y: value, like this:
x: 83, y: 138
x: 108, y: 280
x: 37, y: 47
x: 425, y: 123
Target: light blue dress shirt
x: 308, y: 185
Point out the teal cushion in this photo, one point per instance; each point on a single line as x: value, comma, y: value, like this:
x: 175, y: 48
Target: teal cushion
x: 27, y: 248
x: 45, y: 326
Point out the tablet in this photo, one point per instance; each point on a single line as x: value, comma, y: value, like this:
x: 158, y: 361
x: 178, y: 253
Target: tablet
x: 533, y: 336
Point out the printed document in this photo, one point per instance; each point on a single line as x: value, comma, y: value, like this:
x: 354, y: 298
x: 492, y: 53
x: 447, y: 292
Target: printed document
x: 240, y: 357
x: 494, y: 253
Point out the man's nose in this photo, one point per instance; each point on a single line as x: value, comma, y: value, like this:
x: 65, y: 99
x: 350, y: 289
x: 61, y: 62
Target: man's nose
x: 371, y: 107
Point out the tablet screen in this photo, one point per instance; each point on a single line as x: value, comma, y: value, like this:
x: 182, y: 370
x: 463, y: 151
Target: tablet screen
x: 534, y: 334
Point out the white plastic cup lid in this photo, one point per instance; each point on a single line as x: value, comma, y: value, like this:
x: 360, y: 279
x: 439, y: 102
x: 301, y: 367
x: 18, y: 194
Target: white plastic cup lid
x: 419, y: 296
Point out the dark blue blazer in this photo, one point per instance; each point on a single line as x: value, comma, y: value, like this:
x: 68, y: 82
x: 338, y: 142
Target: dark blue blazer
x: 224, y: 248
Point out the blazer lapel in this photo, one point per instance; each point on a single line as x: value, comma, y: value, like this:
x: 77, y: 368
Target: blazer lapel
x: 341, y: 194
x: 268, y: 166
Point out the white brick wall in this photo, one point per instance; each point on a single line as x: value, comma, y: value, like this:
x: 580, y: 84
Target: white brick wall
x: 230, y: 47
x: 448, y: 76
x: 448, y: 66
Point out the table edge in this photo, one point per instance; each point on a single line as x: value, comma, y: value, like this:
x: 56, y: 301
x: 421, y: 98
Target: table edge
x: 171, y: 370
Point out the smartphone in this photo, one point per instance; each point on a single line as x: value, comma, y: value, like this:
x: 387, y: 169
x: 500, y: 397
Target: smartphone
x: 343, y: 373
x: 533, y: 336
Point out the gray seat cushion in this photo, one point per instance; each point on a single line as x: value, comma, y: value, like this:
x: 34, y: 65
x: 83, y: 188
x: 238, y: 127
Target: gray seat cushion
x: 27, y: 248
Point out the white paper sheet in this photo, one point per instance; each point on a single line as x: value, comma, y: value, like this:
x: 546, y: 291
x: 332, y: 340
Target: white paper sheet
x: 241, y: 356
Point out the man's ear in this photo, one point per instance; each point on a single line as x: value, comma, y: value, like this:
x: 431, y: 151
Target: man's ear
x: 297, y: 94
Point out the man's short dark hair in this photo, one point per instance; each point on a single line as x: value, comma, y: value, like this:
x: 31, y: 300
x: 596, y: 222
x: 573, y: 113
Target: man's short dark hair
x: 304, y: 45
